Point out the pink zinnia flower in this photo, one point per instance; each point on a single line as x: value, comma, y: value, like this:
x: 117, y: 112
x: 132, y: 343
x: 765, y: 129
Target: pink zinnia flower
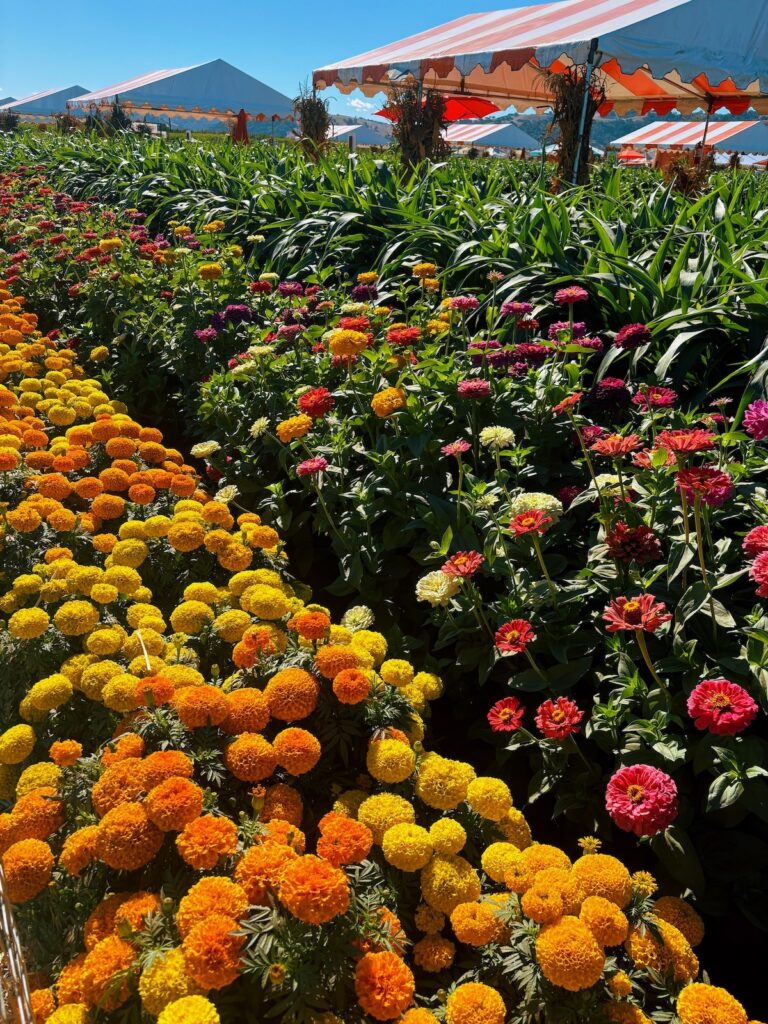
x: 571, y: 295
x: 756, y: 420
x: 533, y: 521
x: 641, y: 612
x: 759, y: 573
x: 721, y: 707
x: 654, y: 398
x: 506, y: 715
x: 517, y: 309
x: 464, y: 303
x: 311, y: 467
x: 756, y: 541
x: 463, y: 564
x: 632, y: 336
x: 456, y: 448
x: 711, y: 486
x: 559, y: 718
x: 514, y: 636
x: 474, y: 389
x: 641, y: 799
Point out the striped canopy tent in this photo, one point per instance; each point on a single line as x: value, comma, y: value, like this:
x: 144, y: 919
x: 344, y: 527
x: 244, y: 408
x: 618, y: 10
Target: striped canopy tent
x: 210, y: 92
x: 42, y: 105
x: 486, y: 133
x: 725, y: 136
x: 655, y: 55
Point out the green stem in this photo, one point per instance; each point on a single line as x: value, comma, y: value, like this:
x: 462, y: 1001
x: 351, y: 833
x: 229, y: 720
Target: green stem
x: 587, y: 459
x: 327, y: 514
x: 640, y: 635
x: 542, y: 563
x: 535, y: 666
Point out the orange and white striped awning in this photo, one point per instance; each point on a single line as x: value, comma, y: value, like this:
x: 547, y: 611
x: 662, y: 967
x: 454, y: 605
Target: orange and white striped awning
x: 655, y: 55
x: 736, y: 136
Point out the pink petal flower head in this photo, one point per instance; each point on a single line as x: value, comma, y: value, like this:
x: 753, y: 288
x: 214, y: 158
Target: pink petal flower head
x: 759, y: 573
x: 641, y: 799
x: 516, y: 309
x: 463, y: 564
x: 654, y: 398
x: 557, y: 719
x: 756, y: 420
x: 633, y: 336
x: 756, y: 541
x: 312, y: 467
x: 506, y: 715
x: 457, y: 448
x: 711, y: 486
x: 464, y: 303
x: 535, y: 520
x: 641, y: 612
x: 721, y: 707
x: 474, y: 389
x: 571, y: 295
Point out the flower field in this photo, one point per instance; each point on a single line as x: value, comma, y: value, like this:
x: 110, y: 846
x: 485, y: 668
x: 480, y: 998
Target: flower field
x: 336, y: 551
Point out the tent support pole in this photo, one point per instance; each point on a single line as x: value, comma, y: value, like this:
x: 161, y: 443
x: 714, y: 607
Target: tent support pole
x: 706, y: 126
x: 580, y: 145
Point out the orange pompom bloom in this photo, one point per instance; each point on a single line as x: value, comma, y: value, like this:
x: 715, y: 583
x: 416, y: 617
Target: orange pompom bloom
x: 27, y: 865
x: 38, y: 814
x: 108, y: 506
x: 310, y: 625
x: 250, y: 758
x: 282, y: 801
x: 127, y: 839
x: 129, y: 745
x: 164, y: 764
x: 135, y: 910
x: 154, y: 691
x: 212, y: 952
x: 351, y: 686
x: 297, y: 750
x: 43, y: 1004
x: 111, y: 957
x: 65, y: 752
x: 384, y: 985
x: 291, y: 694
x: 284, y: 832
x: 69, y: 984
x: 79, y: 850
x: 334, y: 658
x: 101, y: 921
x: 260, y: 870
x: 343, y: 840
x: 248, y: 711
x: 205, y: 840
x: 201, y: 706
x: 174, y: 803
x: 207, y: 897
x: 121, y: 783
x: 313, y: 890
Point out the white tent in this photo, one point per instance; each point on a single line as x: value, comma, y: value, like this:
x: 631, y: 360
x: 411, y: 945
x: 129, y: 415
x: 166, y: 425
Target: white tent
x: 726, y: 136
x: 42, y: 104
x: 204, y: 96
x: 486, y: 133
x: 366, y: 133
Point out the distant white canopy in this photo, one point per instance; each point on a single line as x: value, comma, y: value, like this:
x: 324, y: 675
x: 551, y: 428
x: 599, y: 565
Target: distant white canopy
x: 42, y: 104
x: 486, y: 133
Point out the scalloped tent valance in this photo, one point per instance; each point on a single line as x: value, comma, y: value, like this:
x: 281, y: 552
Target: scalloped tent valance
x: 656, y: 55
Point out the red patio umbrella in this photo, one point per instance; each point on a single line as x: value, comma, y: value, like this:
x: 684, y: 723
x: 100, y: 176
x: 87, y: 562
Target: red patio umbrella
x: 457, y: 108
x: 240, y: 128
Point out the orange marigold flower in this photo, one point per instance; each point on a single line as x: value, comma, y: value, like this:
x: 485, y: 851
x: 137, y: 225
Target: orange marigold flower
x: 384, y: 986
x: 708, y: 1004
x: 247, y: 711
x: 313, y: 890
x: 121, y: 783
x: 208, y: 897
x: 79, y: 850
x: 174, y: 803
x: 475, y: 1002
x: 568, y: 954
x: 291, y: 694
x: 351, y: 686
x: 297, y: 750
x: 111, y: 957
x: 205, y: 840
x: 69, y: 984
x: 129, y: 745
x: 279, y: 831
x: 65, y: 752
x: 201, y: 706
x: 164, y: 764
x: 108, y: 506
x: 127, y: 839
x: 260, y: 869
x: 43, y: 1004
x: 38, y: 814
x: 434, y: 953
x: 27, y: 865
x: 250, y: 758
x: 282, y: 801
x: 334, y: 658
x: 343, y: 840
x: 135, y: 910
x: 475, y: 924
x: 101, y: 921
x: 154, y: 691
x: 608, y: 924
x: 212, y: 952
x: 310, y: 625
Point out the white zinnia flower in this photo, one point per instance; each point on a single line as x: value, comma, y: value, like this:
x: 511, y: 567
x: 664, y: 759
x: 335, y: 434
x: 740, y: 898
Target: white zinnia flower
x: 204, y: 449
x: 497, y: 437
x: 227, y: 493
x: 534, y: 499
x: 359, y: 617
x: 437, y: 588
x: 259, y: 427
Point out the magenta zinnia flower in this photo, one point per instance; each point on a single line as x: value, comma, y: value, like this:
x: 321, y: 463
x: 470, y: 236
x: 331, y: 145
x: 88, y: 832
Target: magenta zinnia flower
x: 464, y: 303
x: 721, y: 707
x: 711, y: 486
x: 756, y: 420
x: 641, y: 612
x: 557, y: 719
x: 632, y: 336
x: 474, y: 389
x: 516, y: 309
x: 641, y: 799
x: 506, y: 715
x: 756, y: 541
x: 571, y: 295
x: 759, y: 573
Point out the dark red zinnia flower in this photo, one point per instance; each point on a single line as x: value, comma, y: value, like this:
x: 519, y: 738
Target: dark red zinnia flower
x: 633, y: 544
x: 558, y: 718
x: 711, y: 486
x: 317, y: 402
x: 632, y: 336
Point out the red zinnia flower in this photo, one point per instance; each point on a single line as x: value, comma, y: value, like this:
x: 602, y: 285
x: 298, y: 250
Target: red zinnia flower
x: 463, y: 563
x: 614, y: 445
x: 641, y: 612
x: 632, y: 336
x: 311, y: 467
x: 721, y: 707
x: 633, y: 544
x: 756, y: 541
x: 533, y: 521
x: 683, y: 442
x: 506, y: 715
x: 641, y: 799
x: 654, y: 398
x: 559, y: 718
x: 711, y: 486
x: 514, y: 636
x: 568, y: 402
x: 316, y: 402
x: 403, y: 335
x: 643, y: 459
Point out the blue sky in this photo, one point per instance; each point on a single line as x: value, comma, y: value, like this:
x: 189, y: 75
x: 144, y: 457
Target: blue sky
x: 97, y: 42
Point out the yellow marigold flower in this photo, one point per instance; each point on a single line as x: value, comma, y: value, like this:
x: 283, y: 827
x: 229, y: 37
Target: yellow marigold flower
x: 475, y: 924
x: 515, y: 828
x: 165, y: 981
x: 119, y: 693
x: 293, y: 428
x: 708, y: 1004
x: 191, y: 1009
x: 16, y: 744
x: 191, y: 617
x: 407, y: 847
x: 443, y: 783
x: 210, y: 271
x: 682, y: 916
x: 185, y: 536
x: 382, y: 812
x: 75, y: 618
x: 475, y: 1002
x: 390, y: 400
x: 603, y: 875
x: 429, y: 684
x: 424, y: 270
x: 110, y: 244
x: 489, y: 797
x: 70, y: 1013
x: 429, y: 920
x: 497, y: 858
x: 433, y: 954
x: 105, y: 641
x: 29, y: 623
x: 396, y: 672
x: 390, y: 760
x: 448, y: 881
x: 644, y: 884
x: 130, y: 552
x: 569, y: 955
x: 265, y: 602
x: 231, y: 625
x: 50, y: 693
x: 607, y: 923
x: 349, y: 803
x: 672, y: 952
x: 448, y: 836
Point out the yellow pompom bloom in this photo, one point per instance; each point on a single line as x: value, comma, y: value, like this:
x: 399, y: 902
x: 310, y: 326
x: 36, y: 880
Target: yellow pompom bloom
x: 569, y: 955
x: 390, y: 760
x: 16, y: 744
x: 165, y: 981
x: 231, y: 625
x: 75, y: 618
x: 489, y: 797
x: 603, y: 875
x: 448, y: 836
x: 407, y: 847
x: 443, y: 783
x: 497, y: 858
x: 205, y: 592
x: 28, y: 623
x: 429, y: 684
x: 126, y: 579
x: 515, y: 828
x: 119, y: 694
x: 264, y: 601
x: 105, y: 641
x: 69, y: 1013
x: 475, y: 1003
x: 130, y: 552
x: 390, y: 400
x: 448, y: 881
x: 607, y: 923
x: 708, y: 1004
x: 293, y: 428
x: 191, y: 617
x: 371, y: 642
x: 397, y: 672
x: 383, y: 811
x: 50, y: 693
x: 38, y: 776
x: 190, y: 1010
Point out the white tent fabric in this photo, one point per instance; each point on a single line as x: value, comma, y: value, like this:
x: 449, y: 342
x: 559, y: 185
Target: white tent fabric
x: 43, y: 104
x: 478, y: 133
x: 729, y: 136
x: 673, y: 53
x: 211, y: 91
x: 6, y: 100
x: 367, y: 133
